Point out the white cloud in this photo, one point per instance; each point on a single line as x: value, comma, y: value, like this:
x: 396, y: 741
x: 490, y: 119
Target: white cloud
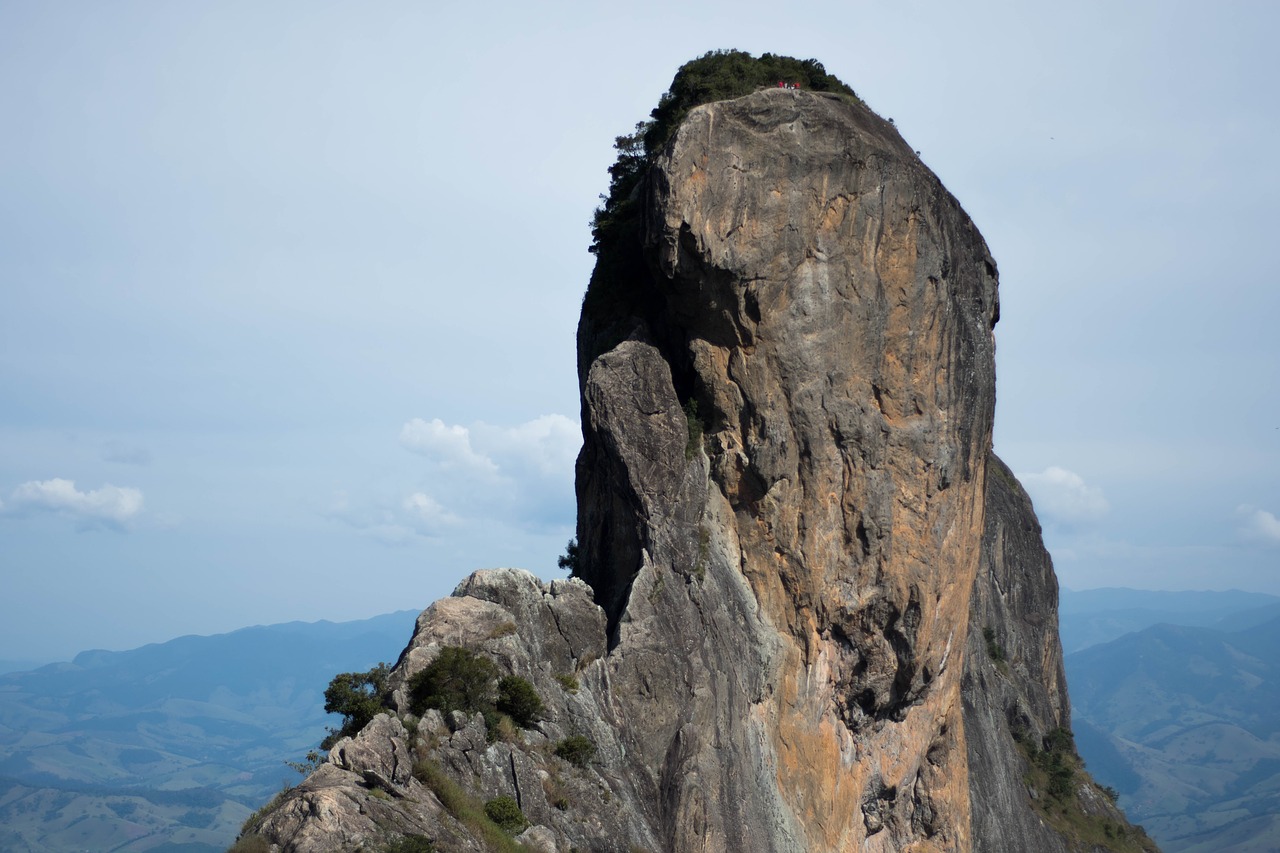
x: 450, y: 446
x: 548, y: 445
x: 393, y: 522
x: 109, y: 505
x: 519, y: 475
x: 426, y: 513
x: 1260, y: 524
x: 1063, y: 496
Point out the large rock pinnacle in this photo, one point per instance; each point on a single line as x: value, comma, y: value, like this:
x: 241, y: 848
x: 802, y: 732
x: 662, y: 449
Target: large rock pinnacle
x: 828, y: 306
x: 814, y: 601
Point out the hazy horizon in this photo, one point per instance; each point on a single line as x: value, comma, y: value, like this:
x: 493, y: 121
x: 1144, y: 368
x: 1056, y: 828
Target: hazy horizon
x: 291, y: 288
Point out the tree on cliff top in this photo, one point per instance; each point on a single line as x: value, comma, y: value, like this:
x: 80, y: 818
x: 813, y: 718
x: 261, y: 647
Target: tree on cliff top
x: 715, y: 76
x: 357, y: 696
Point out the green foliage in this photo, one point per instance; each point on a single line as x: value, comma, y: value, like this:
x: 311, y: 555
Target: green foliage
x: 1058, y: 761
x: 1061, y: 775
x: 253, y: 821
x: 553, y: 787
x: 619, y: 284
x: 410, y: 844
x: 308, y: 765
x: 704, y: 549
x: 504, y: 629
x: 518, y: 700
x: 1060, y: 740
x: 358, y: 697
x: 1058, y: 772
x: 250, y: 844
x: 577, y: 750
x: 466, y: 809
x: 568, y: 682
x: 724, y: 74
x: 461, y: 680
x: 695, y: 427
x: 715, y: 76
x: 994, y: 649
x: 457, y: 680
x: 569, y: 559
x: 505, y: 812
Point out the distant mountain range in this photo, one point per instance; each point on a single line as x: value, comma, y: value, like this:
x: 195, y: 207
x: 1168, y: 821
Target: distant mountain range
x: 1182, y: 716
x: 167, y: 748
x: 1089, y: 617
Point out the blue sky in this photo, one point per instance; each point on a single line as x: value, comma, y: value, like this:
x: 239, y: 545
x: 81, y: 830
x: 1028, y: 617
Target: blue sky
x: 289, y: 289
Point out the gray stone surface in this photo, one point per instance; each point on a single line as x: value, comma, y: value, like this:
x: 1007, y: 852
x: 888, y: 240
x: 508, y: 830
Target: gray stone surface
x: 768, y: 655
x: 1024, y: 695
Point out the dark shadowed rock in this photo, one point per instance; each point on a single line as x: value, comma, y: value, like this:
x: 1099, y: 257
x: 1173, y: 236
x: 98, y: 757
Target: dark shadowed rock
x: 1015, y: 693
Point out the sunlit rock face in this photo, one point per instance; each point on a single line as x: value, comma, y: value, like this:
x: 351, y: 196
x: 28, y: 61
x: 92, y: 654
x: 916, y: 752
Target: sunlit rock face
x: 828, y: 306
x: 783, y: 493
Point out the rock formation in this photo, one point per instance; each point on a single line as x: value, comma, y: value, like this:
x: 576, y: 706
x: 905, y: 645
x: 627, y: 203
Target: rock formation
x: 811, y: 612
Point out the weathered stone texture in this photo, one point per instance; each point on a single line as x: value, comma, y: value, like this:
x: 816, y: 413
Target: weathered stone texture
x: 1020, y: 693
x: 829, y: 307
x: 769, y: 654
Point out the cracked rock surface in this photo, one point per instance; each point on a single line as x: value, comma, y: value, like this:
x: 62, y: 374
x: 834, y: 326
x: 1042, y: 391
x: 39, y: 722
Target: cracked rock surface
x: 788, y: 530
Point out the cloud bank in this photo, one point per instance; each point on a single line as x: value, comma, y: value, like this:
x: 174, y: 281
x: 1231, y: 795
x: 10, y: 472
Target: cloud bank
x: 479, y: 476
x: 110, y: 506
x: 1063, y: 497
x: 1260, y: 524
x: 450, y: 446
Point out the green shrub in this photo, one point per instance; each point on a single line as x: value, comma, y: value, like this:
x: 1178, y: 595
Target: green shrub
x: 1060, y: 740
x: 1058, y: 761
x: 250, y: 844
x: 410, y: 844
x: 568, y: 682
x: 577, y: 750
x: 569, y: 559
x: 518, y: 700
x: 714, y: 76
x: 461, y: 805
x: 505, y: 812
x: 457, y: 680
x: 694, y: 424
x: 254, y: 821
x: 994, y: 650
x: 506, y: 629
x: 358, y: 697
x: 620, y: 287
x: 311, y: 762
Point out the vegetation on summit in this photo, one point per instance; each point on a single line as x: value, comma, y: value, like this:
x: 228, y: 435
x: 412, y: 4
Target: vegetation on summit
x: 715, y: 76
x: 617, y: 288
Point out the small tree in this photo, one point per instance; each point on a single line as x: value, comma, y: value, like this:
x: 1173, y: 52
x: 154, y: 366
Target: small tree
x: 357, y: 696
x: 505, y: 812
x: 457, y: 680
x: 518, y: 700
x: 578, y: 750
x: 569, y: 559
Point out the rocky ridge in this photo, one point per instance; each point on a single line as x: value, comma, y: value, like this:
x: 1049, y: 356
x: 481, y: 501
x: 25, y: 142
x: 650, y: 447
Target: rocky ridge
x: 811, y: 610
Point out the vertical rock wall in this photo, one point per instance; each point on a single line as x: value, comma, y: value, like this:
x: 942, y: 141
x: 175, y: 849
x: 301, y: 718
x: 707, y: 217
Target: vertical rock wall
x: 828, y: 307
x: 795, y: 538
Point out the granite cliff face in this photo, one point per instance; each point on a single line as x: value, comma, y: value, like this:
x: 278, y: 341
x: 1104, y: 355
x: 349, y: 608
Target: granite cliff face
x: 829, y: 307
x: 792, y: 539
